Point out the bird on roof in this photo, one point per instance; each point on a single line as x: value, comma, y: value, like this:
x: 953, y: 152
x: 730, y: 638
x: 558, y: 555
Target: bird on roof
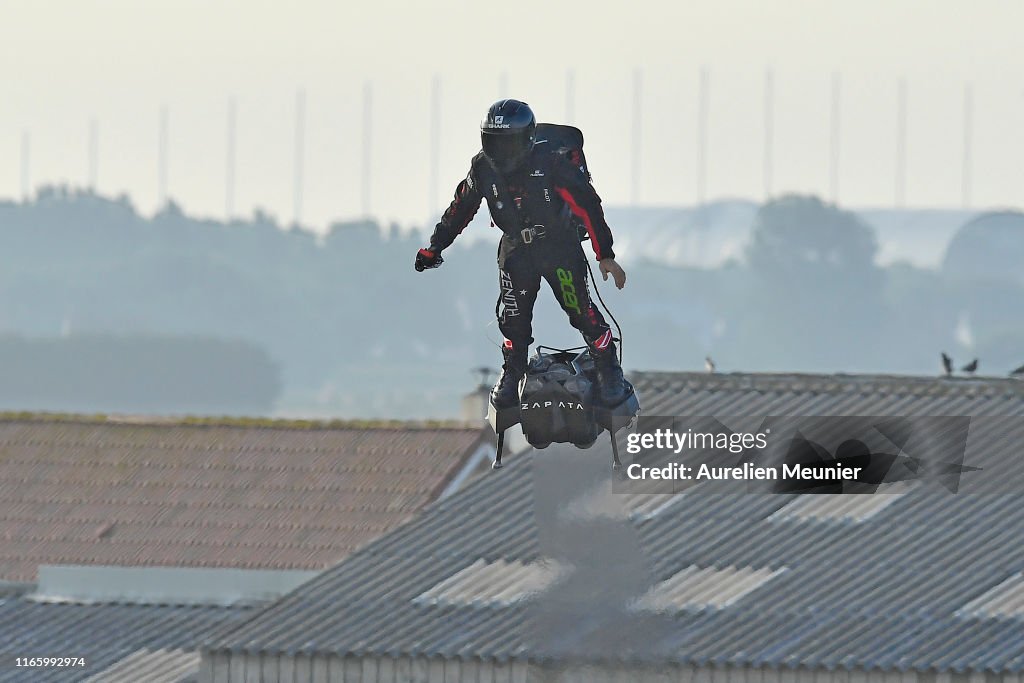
x: 947, y: 364
x: 970, y: 367
x: 1018, y: 372
x: 709, y: 364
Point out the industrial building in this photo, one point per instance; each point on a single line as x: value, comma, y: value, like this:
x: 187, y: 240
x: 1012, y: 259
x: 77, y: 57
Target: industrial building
x: 541, y: 572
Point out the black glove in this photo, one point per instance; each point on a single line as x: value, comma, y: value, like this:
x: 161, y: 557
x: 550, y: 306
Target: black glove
x: 427, y: 258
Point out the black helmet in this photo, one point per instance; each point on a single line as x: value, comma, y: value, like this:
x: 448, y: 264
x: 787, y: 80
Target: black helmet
x: 507, y: 133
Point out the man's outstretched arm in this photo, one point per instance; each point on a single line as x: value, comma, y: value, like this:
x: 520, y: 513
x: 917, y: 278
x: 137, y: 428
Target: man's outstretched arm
x: 453, y: 221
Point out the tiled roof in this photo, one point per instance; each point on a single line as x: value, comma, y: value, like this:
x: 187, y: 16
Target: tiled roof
x: 266, y: 495
x: 912, y: 585
x: 120, y: 643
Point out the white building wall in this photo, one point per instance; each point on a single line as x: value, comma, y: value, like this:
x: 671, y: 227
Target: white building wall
x: 224, y: 668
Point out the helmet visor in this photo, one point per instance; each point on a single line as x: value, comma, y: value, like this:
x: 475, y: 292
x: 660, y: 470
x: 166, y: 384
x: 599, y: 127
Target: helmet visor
x: 507, y: 151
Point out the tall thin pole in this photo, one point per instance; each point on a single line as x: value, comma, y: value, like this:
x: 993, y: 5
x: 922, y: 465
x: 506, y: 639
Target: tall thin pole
x: 26, y: 178
x: 637, y: 134
x: 367, y: 132
x: 835, y: 137
x: 300, y: 156
x: 94, y: 155
x: 702, y: 134
x: 769, y: 132
x: 162, y: 160
x: 968, y: 144
x: 901, y: 145
x: 570, y: 96
x: 229, y: 171
x: 435, y: 143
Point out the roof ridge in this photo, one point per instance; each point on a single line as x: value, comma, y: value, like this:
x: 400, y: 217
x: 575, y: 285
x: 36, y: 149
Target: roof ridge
x: 199, y: 524
x: 270, y: 544
x: 58, y: 602
x: 837, y: 382
x: 207, y: 447
x: 220, y: 505
x: 215, y: 466
x: 216, y: 486
x: 239, y: 421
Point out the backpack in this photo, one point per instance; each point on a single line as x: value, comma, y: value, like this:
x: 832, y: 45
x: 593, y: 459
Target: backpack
x: 567, y: 141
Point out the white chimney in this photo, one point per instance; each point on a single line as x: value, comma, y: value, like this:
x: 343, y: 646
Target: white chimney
x: 474, y: 404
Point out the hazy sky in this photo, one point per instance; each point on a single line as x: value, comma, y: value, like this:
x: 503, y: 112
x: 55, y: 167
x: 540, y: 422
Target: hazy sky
x: 66, y: 62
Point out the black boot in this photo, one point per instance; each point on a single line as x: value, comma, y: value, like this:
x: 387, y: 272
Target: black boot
x: 611, y: 385
x: 505, y: 393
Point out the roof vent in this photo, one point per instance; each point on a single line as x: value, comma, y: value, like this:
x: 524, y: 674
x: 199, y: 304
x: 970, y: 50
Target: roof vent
x: 1005, y: 601
x: 842, y: 507
x: 497, y: 583
x: 695, y: 588
x: 638, y: 502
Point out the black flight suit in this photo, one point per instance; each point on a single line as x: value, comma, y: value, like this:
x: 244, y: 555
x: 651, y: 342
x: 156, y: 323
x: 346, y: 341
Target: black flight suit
x: 537, y: 209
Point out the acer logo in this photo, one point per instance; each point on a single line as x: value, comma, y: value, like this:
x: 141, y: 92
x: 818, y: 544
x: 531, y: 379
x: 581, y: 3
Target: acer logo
x: 569, y: 298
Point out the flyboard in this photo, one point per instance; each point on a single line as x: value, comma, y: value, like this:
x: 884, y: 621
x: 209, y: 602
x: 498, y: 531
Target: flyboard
x: 559, y: 403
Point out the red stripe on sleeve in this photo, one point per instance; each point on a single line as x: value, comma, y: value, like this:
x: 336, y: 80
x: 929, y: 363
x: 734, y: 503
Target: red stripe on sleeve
x: 581, y: 212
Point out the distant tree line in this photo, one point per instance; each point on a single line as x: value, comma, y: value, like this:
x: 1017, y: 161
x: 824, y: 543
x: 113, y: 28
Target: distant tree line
x: 345, y: 325
x: 811, y: 296
x: 136, y: 374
